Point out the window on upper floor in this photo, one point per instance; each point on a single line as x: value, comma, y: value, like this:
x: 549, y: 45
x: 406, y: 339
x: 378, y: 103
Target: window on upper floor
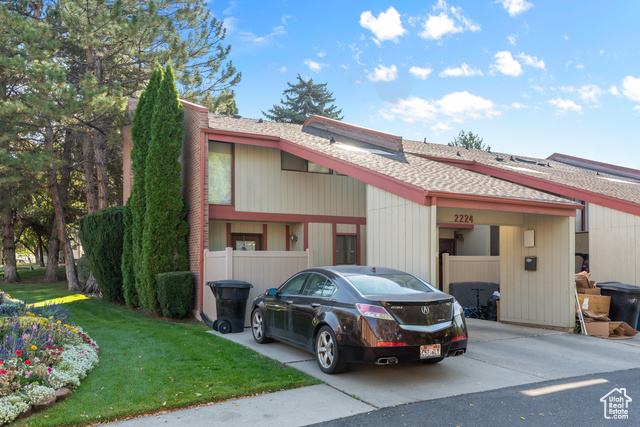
x: 220, y: 173
x: 289, y: 162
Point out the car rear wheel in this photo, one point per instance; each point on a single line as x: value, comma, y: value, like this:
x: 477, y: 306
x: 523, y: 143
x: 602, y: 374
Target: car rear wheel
x: 258, y: 327
x: 328, y: 353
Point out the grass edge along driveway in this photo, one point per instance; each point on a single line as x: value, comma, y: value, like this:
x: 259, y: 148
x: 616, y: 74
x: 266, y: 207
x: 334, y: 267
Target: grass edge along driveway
x: 149, y: 365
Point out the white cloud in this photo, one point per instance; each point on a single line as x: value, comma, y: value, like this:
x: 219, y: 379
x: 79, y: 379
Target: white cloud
x: 464, y: 70
x: 284, y: 19
x: 532, y: 61
x: 516, y: 7
x: 564, y: 105
x: 580, y: 67
x: 437, y: 26
x: 613, y: 90
x: 387, y: 26
x: 517, y: 106
x: 455, y: 107
x: 382, y: 73
x: 588, y: 93
x: 566, y: 37
x: 263, y: 40
x: 512, y: 39
x: 321, y: 54
x: 506, y: 64
x: 631, y: 88
x: 313, y: 65
x: 282, y: 69
x: 421, y: 73
x: 229, y: 24
x: 440, y: 127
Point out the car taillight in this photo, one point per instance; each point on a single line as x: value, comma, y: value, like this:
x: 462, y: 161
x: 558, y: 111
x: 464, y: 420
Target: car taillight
x: 374, y: 311
x: 390, y: 344
x: 461, y: 337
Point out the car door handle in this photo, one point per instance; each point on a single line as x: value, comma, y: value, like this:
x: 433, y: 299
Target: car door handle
x: 315, y: 305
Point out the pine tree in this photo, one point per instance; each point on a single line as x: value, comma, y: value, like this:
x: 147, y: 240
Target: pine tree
x: 141, y: 137
x: 164, y: 245
x: 468, y: 140
x: 303, y: 99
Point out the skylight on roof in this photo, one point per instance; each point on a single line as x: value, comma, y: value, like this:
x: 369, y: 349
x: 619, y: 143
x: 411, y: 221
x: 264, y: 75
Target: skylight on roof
x: 524, y: 169
x: 617, y: 180
x: 362, y: 149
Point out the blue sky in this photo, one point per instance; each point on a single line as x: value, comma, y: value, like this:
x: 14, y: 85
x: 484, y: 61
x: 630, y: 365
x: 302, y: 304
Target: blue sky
x: 530, y: 77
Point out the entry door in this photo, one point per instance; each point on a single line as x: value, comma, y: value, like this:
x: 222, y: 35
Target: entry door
x: 447, y: 246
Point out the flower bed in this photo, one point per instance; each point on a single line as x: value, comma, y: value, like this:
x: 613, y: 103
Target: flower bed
x: 40, y: 353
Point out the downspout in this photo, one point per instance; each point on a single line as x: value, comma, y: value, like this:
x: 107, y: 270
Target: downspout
x: 202, y: 215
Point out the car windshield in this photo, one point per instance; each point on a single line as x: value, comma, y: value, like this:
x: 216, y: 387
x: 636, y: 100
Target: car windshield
x: 388, y: 284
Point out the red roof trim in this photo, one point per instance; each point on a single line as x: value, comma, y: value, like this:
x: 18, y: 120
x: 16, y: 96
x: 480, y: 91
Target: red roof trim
x: 230, y: 213
x: 360, y: 173
x: 541, y: 184
x: 558, y: 158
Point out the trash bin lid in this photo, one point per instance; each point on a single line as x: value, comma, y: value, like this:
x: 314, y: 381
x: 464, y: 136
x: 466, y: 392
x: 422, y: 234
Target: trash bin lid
x: 620, y: 287
x: 230, y: 284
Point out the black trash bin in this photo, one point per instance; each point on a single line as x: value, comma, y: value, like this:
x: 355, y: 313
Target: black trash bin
x: 231, y: 304
x: 625, y: 301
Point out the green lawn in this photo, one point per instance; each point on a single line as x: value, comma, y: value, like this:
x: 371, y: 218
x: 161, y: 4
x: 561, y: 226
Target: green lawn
x: 149, y: 365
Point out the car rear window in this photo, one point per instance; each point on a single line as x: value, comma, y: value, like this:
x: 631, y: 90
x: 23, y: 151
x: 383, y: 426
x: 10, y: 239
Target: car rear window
x: 390, y: 284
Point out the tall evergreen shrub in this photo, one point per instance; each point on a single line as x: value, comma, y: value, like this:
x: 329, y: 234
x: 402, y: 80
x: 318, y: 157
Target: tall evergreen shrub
x: 101, y: 234
x: 135, y: 293
x: 164, y: 245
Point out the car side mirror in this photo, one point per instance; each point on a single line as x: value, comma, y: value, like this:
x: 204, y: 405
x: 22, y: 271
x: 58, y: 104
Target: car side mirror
x: 272, y: 291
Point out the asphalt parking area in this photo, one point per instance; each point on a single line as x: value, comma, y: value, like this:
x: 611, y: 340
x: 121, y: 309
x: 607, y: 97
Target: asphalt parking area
x: 498, y: 355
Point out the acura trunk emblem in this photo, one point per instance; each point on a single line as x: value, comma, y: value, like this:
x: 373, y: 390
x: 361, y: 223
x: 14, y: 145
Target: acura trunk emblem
x: 425, y: 310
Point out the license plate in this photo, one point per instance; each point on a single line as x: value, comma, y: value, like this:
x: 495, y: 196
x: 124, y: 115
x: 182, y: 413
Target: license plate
x: 427, y: 351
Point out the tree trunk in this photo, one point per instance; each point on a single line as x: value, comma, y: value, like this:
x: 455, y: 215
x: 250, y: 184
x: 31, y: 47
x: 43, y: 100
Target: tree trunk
x: 40, y: 257
x: 8, y: 243
x: 60, y: 223
x: 100, y: 148
x: 89, y: 179
x: 51, y: 275
x: 91, y: 287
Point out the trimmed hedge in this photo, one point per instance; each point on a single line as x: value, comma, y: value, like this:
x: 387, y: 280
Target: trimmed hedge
x: 83, y: 269
x: 101, y: 234
x: 175, y: 293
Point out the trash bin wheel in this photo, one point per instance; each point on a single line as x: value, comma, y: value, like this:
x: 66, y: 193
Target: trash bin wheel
x: 224, y: 327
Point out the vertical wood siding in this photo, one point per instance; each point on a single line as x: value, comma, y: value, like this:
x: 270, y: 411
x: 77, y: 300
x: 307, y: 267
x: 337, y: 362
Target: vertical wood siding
x: 260, y: 186
x: 544, y: 296
x: 321, y: 241
x: 398, y: 233
x: 614, y: 245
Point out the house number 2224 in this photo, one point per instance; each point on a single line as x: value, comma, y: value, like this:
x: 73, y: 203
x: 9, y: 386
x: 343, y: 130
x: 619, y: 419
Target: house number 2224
x: 464, y: 218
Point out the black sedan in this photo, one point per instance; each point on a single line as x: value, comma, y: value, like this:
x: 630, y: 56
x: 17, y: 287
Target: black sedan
x: 361, y: 314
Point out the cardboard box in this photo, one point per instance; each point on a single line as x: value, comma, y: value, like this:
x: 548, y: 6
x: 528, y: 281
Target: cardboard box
x: 582, y: 284
x: 597, y: 304
x: 590, y: 291
x: 610, y: 330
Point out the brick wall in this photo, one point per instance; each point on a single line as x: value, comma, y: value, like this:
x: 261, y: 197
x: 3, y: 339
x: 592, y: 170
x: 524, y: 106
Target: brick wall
x: 195, y: 119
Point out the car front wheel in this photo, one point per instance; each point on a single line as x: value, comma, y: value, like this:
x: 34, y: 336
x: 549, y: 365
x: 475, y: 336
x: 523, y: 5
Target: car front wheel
x: 328, y: 353
x: 258, y: 327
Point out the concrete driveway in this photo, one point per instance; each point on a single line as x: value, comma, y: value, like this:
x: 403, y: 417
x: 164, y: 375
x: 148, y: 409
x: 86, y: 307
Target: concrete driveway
x: 499, y: 355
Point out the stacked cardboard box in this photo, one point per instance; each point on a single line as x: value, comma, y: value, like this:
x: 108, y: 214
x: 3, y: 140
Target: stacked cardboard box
x: 595, y: 311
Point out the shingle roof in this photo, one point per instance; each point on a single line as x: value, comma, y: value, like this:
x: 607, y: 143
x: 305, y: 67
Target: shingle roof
x: 422, y: 173
x: 560, y: 173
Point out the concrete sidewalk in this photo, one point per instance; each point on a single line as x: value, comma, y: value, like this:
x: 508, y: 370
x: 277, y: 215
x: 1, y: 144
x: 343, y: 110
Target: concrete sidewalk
x: 499, y: 355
